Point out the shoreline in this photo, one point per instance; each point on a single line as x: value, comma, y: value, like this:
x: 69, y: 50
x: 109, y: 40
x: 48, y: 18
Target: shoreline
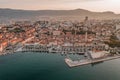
x: 68, y: 60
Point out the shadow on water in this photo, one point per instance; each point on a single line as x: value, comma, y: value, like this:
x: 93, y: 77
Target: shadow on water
x: 97, y: 63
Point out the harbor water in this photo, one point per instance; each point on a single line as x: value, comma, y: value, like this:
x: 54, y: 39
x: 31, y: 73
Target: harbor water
x: 48, y: 66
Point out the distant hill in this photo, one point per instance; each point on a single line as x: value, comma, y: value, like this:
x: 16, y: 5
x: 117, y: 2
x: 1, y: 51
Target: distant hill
x: 29, y: 14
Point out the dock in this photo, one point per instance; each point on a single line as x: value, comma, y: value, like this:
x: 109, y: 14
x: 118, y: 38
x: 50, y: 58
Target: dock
x: 72, y: 63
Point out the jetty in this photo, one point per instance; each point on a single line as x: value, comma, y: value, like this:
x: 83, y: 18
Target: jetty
x: 72, y: 63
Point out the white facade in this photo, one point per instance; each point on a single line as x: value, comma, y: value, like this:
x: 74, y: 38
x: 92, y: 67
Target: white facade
x: 67, y: 44
x: 96, y: 55
x: 56, y: 33
x: 117, y: 26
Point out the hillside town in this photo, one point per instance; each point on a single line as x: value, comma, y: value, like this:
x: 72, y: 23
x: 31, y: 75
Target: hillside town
x: 63, y: 37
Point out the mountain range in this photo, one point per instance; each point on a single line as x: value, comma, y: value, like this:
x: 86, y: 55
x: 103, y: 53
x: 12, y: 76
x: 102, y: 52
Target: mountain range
x: 6, y: 13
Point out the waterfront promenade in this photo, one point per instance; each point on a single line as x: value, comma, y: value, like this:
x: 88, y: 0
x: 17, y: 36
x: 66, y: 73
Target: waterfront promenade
x: 72, y: 63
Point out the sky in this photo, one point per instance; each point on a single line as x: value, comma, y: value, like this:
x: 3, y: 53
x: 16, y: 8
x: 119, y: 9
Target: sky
x: 92, y: 5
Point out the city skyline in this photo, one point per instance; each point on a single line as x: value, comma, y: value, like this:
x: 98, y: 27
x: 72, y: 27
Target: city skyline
x: 92, y: 5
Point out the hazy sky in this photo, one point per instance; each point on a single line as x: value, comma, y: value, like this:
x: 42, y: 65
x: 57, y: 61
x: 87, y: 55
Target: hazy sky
x: 93, y: 5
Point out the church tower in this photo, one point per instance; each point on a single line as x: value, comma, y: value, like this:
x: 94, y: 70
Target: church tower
x: 86, y: 28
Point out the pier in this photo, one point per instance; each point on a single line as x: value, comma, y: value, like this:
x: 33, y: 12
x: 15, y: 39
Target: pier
x: 72, y: 63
